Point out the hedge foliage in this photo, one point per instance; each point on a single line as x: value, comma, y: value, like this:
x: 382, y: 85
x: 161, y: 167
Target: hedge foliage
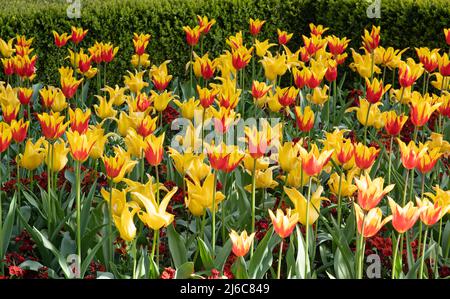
x: 405, y: 23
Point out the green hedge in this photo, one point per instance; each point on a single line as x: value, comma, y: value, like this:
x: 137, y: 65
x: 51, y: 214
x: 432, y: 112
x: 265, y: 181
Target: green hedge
x: 405, y: 23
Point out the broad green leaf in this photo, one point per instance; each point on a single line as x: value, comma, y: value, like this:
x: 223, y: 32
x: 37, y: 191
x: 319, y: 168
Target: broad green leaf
x: 176, y: 246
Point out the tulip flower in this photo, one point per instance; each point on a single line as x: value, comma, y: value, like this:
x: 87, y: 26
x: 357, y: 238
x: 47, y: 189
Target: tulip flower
x: 389, y: 57
x: 300, y: 77
x: 69, y: 85
x: 368, y: 114
x: 342, y: 185
x: 155, y: 215
x: 447, y: 36
x: 403, y: 219
x: 283, y: 37
x: 288, y: 155
x: 80, y: 145
x: 259, y: 89
x: 198, y: 170
x: 344, y: 151
x: 375, y: 90
x: 205, y: 24
x: 421, y: 109
x: 274, y: 66
x: 10, y: 112
x: 188, y: 107
x: 431, y: 213
x: 283, y: 224
x: 199, y: 195
x: 441, y: 197
x: 104, y: 109
x: 153, y: 149
x: 428, y: 160
x: 365, y: 156
x: 52, y: 125
x: 331, y: 73
x: 6, y: 48
x: 8, y: 66
x: 410, y: 154
x: 181, y: 161
x: 240, y: 57
x: 301, y: 205
x: 363, y: 65
x: 337, y: 45
x: 313, y: 161
x: 313, y: 44
x: 319, y: 95
x: 59, y: 102
x: 369, y: 224
x: 371, y: 40
x: 78, y: 34
x: 315, y: 74
x: 255, y: 26
x: 5, y: 136
x: 258, y: 141
x: 206, y: 96
x: 192, y: 35
x: 261, y: 48
x: 409, y: 72
x: 160, y: 76
x: 428, y: 58
x: 444, y: 65
x: 140, y: 42
x: 117, y: 166
x: 24, y: 94
x: 370, y: 192
x: 61, y: 40
x: 79, y: 120
x: 304, y: 119
x: 135, y: 82
x: 19, y: 130
x: 241, y: 243
x: 286, y: 96
x: 263, y: 180
x: 393, y: 123
x: 56, y: 155
x: 48, y: 95
x: 33, y: 156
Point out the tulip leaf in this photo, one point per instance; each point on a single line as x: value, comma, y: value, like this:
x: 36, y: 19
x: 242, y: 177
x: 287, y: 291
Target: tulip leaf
x: 87, y: 260
x: 446, y: 238
x: 205, y: 255
x: 300, y: 266
x: 412, y: 273
x: 290, y: 259
x: 85, y: 211
x: 222, y: 255
x: 262, y: 257
x: 185, y: 270
x: 176, y: 246
x: 240, y: 268
x: 7, y: 227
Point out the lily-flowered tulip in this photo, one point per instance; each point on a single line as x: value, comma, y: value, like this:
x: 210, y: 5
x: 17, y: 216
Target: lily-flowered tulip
x: 286, y: 96
x: 200, y: 195
x: 58, y: 158
x: 370, y: 192
x: 19, y: 130
x: 447, y: 35
x: 313, y: 161
x: 274, y: 66
x: 160, y: 76
x: 155, y: 215
x: 5, y: 136
x: 375, y: 90
x: 52, y: 125
x: 205, y: 24
x: 284, y: 37
x: 337, y: 45
x: 61, y: 39
x: 347, y: 187
x: 393, y: 123
x: 403, y: 219
x: 431, y: 213
x: 78, y: 34
x: 304, y: 119
x: 146, y: 126
x: 153, y: 149
x: 263, y: 180
x: 444, y: 65
x: 33, y: 156
x: 371, y: 40
x: 59, y: 102
x: 181, y: 161
x: 345, y: 151
x: 192, y: 35
x: 428, y: 160
x: 6, y: 48
x: 258, y: 143
x: 262, y: 48
x: 410, y: 154
x: 375, y: 116
x: 255, y: 26
x: 104, y: 109
x: 288, y: 155
x: 301, y: 204
x: 241, y: 243
x: 319, y: 95
x: 206, y: 96
x: 283, y: 224
x: 69, y: 85
x: 363, y: 65
x: 421, y: 109
x: 260, y: 89
x: 79, y: 120
x: 365, y: 156
x: 161, y: 100
x: 429, y: 59
x: 117, y: 166
x: 240, y: 57
x: 135, y: 82
x: 80, y: 145
x: 442, y: 197
x: 10, y: 112
x: 390, y: 57
x: 140, y: 42
x: 188, y: 107
x: 48, y: 95
x: 409, y: 72
x: 24, y: 95
x: 371, y: 223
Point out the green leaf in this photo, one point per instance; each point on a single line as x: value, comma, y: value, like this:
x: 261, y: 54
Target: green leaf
x: 240, y: 268
x: 262, y: 257
x: 176, y: 247
x: 205, y: 255
x: 185, y: 270
x: 8, y: 227
x: 87, y: 260
x: 300, y: 265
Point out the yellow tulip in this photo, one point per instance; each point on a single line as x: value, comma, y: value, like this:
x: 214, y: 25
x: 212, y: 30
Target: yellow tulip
x: 274, y: 66
x: 319, y: 96
x: 300, y: 203
x: 297, y: 177
x: 135, y: 82
x: 188, y: 107
x: 288, y: 156
x: 144, y: 189
x: 33, y: 155
x: 160, y: 101
x: 6, y: 48
x: 347, y: 188
x: 199, y: 195
x: 59, y: 101
x: 263, y: 179
x: 135, y: 144
x: 363, y: 65
x: 262, y: 47
x: 58, y: 158
x: 117, y: 166
x: 118, y: 200
x: 97, y: 133
x: 375, y: 118
x: 105, y: 108
x: 181, y: 161
x: 198, y: 170
x: 117, y: 94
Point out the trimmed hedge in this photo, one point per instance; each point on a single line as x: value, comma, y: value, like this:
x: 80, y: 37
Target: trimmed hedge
x: 405, y: 23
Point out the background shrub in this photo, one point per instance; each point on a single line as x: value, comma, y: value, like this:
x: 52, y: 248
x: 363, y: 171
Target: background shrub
x: 405, y: 23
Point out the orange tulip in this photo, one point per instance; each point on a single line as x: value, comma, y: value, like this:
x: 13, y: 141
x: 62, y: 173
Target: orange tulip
x: 10, y: 112
x: 403, y: 218
x: 241, y: 243
x: 421, y: 109
x: 52, y: 125
x: 345, y: 151
x: 61, y: 40
x: 283, y: 224
x: 259, y: 89
x: 370, y: 223
x: 78, y: 34
x: 431, y: 213
x: 447, y: 36
x: 410, y: 154
x: 192, y: 35
x: 24, y: 94
x: 375, y: 90
x: 393, y: 123
x: 283, y: 37
x: 370, y: 192
x: 409, y: 72
x: 365, y: 156
x: 428, y: 160
x: 313, y: 162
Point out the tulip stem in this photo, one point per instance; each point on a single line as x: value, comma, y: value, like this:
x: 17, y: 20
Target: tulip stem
x: 49, y: 185
x: 339, y: 199
x: 203, y: 124
x: 390, y: 160
x: 361, y: 250
x: 214, y: 215
x: 406, y: 188
x: 307, y: 228
x: 394, y: 260
x: 157, y: 200
x: 436, y: 272
x: 253, y: 201
x: 192, y: 66
x: 422, y: 258
x: 110, y: 239
x: 280, y: 256
x: 78, y: 190
x: 223, y: 209
x: 1, y: 216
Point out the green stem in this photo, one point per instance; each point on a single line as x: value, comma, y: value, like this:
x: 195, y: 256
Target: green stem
x: 406, y: 188
x: 395, y: 256
x: 78, y: 190
x: 158, y: 201
x: 214, y: 215
x: 110, y: 238
x: 133, y: 248
x: 339, y: 199
x: 365, y: 124
x: 422, y: 258
x: 203, y: 124
x: 390, y: 160
x: 253, y: 201
x: 280, y: 256
x: 436, y: 272
x: 307, y: 228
